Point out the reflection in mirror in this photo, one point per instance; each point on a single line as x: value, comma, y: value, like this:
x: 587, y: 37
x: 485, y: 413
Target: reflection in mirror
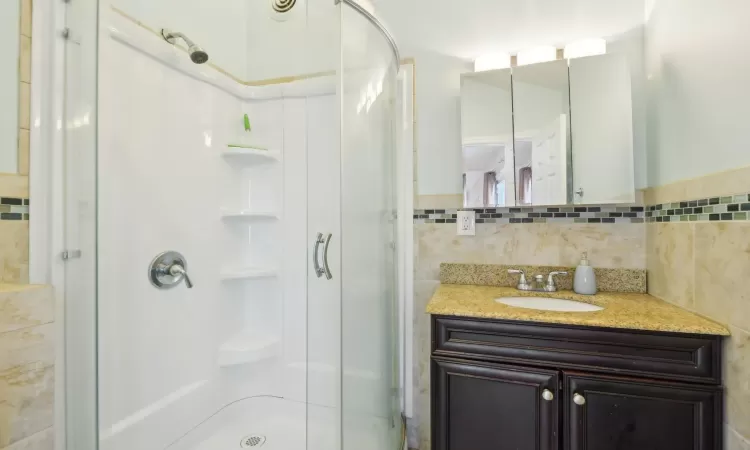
x: 542, y: 133
x: 602, y: 125
x: 9, y: 83
x: 487, y: 139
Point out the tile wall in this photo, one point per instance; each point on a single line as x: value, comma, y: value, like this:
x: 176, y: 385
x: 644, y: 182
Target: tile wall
x: 559, y: 242
x: 27, y: 344
x: 27, y: 328
x: 701, y: 262
x: 14, y: 188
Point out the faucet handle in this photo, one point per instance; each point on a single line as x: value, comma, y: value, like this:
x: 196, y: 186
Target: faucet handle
x: 551, y: 285
x: 523, y: 284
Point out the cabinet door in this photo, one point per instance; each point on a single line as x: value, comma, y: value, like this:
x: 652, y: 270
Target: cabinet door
x: 602, y: 413
x: 478, y: 406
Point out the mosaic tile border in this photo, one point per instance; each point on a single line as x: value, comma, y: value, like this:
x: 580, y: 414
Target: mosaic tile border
x: 13, y: 208
x: 713, y: 209
x: 538, y: 214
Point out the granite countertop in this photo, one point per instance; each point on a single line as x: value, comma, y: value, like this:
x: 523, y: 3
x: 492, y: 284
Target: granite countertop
x: 623, y: 311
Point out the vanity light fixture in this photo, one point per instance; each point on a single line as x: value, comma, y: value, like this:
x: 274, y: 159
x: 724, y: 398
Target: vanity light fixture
x: 492, y: 61
x: 537, y: 55
x: 588, y: 47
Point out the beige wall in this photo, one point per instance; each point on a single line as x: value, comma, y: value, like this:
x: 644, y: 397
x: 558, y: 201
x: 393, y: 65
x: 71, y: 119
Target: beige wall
x: 27, y: 329
x: 14, y: 234
x: 705, y: 267
x: 27, y: 346
x: 609, y: 245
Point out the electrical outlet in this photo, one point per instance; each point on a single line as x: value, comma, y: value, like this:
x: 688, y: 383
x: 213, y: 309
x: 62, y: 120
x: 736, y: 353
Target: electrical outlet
x: 466, y: 223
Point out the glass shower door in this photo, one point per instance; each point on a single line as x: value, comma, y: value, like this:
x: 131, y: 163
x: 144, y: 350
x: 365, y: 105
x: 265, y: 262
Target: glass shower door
x: 369, y: 356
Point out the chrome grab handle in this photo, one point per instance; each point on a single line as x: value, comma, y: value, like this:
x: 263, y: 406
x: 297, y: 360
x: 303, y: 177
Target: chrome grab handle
x: 316, y: 266
x: 176, y: 270
x: 327, y: 269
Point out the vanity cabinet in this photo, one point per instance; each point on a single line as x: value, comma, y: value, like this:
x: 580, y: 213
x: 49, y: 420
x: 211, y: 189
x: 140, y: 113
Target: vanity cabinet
x: 500, y: 385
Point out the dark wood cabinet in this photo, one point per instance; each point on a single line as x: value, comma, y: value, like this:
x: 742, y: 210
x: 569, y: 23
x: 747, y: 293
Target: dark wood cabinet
x: 633, y: 414
x: 494, y: 407
x: 503, y: 385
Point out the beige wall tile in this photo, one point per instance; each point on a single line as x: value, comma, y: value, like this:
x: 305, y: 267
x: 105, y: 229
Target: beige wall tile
x: 23, y: 151
x: 28, y: 403
x: 13, y: 185
x: 24, y: 106
x: 25, y: 59
x: 735, y: 181
x: 737, y: 380
x: 449, y: 201
x: 26, y: 18
x: 722, y: 265
x: 733, y: 440
x: 27, y: 347
x: 14, y: 251
x: 423, y: 291
x: 617, y: 246
x: 44, y: 440
x: 26, y: 307
x: 670, y: 263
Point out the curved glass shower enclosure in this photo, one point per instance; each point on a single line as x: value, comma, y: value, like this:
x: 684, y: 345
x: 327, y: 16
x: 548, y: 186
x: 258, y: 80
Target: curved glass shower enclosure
x: 236, y: 212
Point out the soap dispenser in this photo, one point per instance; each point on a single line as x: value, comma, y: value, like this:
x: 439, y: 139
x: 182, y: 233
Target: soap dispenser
x: 585, y: 280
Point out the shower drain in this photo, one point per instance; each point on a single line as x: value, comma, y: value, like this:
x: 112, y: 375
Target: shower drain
x: 252, y: 441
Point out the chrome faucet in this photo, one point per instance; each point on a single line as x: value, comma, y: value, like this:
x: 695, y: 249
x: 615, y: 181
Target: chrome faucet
x: 538, y: 285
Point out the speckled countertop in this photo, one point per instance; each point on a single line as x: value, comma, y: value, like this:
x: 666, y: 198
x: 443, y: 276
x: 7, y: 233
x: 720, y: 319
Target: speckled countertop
x: 622, y: 311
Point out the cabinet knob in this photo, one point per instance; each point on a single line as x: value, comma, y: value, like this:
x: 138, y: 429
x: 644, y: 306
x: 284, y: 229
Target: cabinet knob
x: 548, y: 395
x: 579, y: 399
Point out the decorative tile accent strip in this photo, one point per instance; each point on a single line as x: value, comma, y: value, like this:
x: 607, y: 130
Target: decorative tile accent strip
x: 561, y: 214
x: 607, y: 280
x: 12, y: 208
x: 714, y: 209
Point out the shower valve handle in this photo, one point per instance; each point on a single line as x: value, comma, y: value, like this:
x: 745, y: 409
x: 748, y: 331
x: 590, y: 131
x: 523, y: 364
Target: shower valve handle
x: 176, y: 270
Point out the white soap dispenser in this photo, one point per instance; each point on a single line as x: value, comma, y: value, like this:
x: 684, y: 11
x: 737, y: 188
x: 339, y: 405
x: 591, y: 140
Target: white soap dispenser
x: 585, y: 279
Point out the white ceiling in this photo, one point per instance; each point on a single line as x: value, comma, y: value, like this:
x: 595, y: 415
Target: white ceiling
x: 469, y: 28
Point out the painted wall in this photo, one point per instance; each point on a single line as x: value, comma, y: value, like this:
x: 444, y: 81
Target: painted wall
x: 697, y: 129
x: 697, y: 72
x: 9, y: 45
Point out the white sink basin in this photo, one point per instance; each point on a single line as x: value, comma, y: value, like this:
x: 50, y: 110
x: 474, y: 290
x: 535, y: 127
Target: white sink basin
x: 548, y: 304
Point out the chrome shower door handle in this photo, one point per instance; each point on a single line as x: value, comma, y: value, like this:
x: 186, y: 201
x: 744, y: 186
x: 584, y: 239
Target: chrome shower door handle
x: 324, y: 270
x: 327, y: 270
x: 316, y: 266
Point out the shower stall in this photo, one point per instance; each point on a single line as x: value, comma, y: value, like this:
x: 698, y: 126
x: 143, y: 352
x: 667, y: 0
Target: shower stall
x: 230, y: 226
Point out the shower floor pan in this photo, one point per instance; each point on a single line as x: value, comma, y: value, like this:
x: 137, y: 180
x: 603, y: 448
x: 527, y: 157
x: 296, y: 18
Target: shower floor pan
x: 272, y: 423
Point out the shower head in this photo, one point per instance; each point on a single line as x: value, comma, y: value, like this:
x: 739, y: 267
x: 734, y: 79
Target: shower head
x: 197, y: 54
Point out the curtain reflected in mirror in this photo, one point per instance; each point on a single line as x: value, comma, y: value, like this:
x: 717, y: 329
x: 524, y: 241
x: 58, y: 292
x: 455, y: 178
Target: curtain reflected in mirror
x: 487, y: 175
x: 524, y: 186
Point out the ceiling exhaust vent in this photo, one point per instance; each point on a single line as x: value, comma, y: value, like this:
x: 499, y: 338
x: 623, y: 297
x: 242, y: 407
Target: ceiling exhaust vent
x: 283, y: 6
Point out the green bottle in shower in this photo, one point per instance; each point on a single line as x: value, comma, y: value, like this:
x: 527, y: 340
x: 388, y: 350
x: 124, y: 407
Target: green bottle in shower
x: 248, y: 127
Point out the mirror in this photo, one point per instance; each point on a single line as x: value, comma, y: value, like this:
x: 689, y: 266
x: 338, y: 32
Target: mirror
x: 602, y: 128
x: 487, y: 139
x: 553, y: 133
x: 541, y: 109
x: 9, y: 85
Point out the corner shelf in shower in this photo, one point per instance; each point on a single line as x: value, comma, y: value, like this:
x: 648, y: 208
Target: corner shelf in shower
x: 247, y: 348
x: 247, y: 215
x: 247, y: 273
x: 251, y: 155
